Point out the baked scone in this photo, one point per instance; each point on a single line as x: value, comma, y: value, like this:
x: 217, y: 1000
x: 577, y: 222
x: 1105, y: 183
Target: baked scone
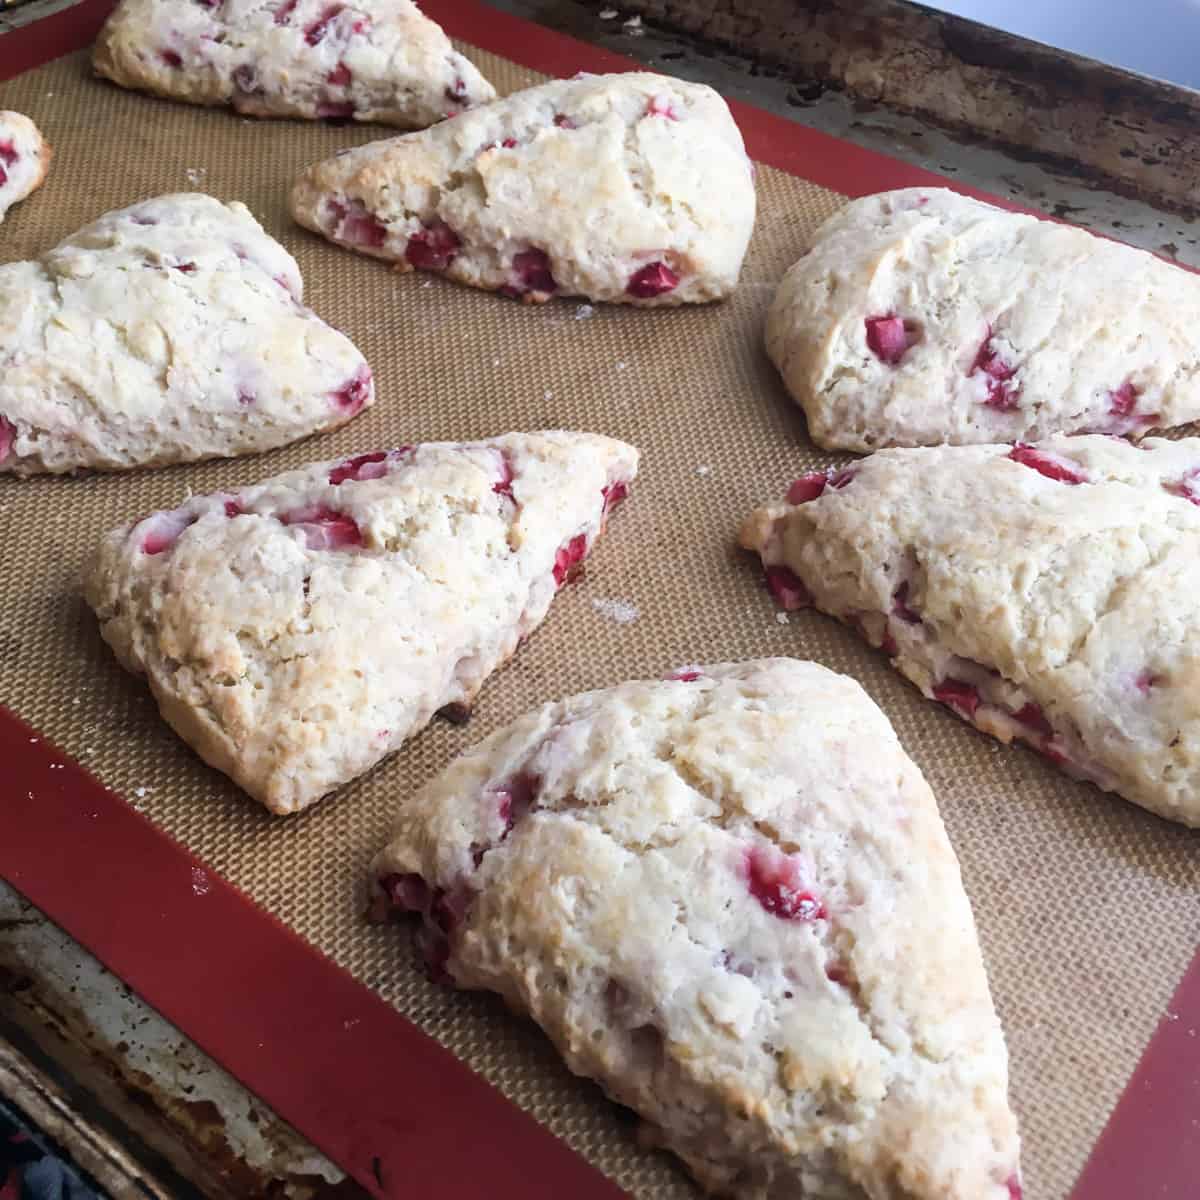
x: 295, y: 632
x: 165, y: 332
x: 744, y: 928
x: 381, y: 60
x: 920, y: 317
x: 1047, y: 593
x: 629, y: 188
x: 24, y: 159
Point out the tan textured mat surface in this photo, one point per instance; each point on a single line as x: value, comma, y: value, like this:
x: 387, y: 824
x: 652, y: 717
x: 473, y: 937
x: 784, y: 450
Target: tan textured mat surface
x: 1087, y: 906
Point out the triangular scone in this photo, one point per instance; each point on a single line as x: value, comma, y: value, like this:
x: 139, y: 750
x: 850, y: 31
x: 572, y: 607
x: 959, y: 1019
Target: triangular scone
x: 383, y: 61
x: 633, y: 188
x: 738, y: 921
x: 1047, y: 593
x: 922, y: 317
x: 24, y: 159
x: 166, y: 332
x: 295, y: 632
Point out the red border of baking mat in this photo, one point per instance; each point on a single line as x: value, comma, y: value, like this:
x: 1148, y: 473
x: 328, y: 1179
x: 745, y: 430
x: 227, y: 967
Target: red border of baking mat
x: 379, y: 1096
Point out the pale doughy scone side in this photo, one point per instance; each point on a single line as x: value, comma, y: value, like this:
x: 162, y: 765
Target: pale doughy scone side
x: 166, y: 332
x: 742, y: 926
x: 24, y: 159
x: 1046, y: 593
x: 383, y: 62
x: 626, y: 188
x: 920, y: 317
x: 296, y: 632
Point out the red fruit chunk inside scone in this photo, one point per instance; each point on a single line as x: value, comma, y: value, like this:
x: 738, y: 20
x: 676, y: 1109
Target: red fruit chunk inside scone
x: 354, y: 224
x: 776, y: 881
x: 324, y: 528
x: 568, y: 558
x: 654, y: 279
x: 785, y: 585
x: 958, y: 695
x: 8, y: 435
x: 1053, y: 466
x: 433, y: 248
x: 1002, y: 393
x: 531, y: 276
x: 514, y: 799
x: 356, y: 392
x: 889, y: 338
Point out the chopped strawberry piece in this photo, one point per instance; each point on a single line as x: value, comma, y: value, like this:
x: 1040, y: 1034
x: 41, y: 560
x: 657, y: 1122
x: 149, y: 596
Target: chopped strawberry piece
x: 888, y: 338
x: 531, y: 272
x: 354, y: 224
x: 8, y: 152
x: 284, y: 12
x: 457, y: 90
x: 324, y: 528
x: 839, y: 973
x: 8, y: 434
x: 246, y: 397
x: 335, y: 110
x: 839, y: 479
x: 614, y: 494
x: 564, y: 122
x: 171, y: 58
x: 900, y: 605
x: 351, y: 396
x: 654, y: 279
x: 1062, y: 470
x: 785, y: 585
x: 1002, y: 394
x: 409, y: 893
x: 186, y: 268
x: 1054, y: 751
x: 161, y: 531
x: 233, y: 507
x: 340, y: 76
x: 686, y: 675
x: 1188, y: 487
x: 1145, y: 681
x: 314, y: 32
x: 568, y: 557
x: 515, y: 798
x: 807, y: 487
x: 776, y: 883
x: 1014, y: 1188
x: 365, y: 466
x: 3, y: 181
x: 958, y: 695
x: 503, y: 486
x: 509, y: 143
x: 661, y: 106
x: 433, y: 248
x: 1122, y: 401
x: 1031, y: 714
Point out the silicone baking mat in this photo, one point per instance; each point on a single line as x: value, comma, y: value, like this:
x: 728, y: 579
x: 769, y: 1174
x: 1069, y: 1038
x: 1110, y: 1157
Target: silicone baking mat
x: 1087, y: 907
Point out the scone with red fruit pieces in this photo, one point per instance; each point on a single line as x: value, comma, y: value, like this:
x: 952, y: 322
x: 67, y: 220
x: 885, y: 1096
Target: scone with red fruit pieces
x: 1048, y: 594
x: 921, y: 317
x: 295, y: 632
x: 24, y: 159
x: 631, y: 188
x: 165, y: 332
x: 384, y: 61
x: 740, y: 925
